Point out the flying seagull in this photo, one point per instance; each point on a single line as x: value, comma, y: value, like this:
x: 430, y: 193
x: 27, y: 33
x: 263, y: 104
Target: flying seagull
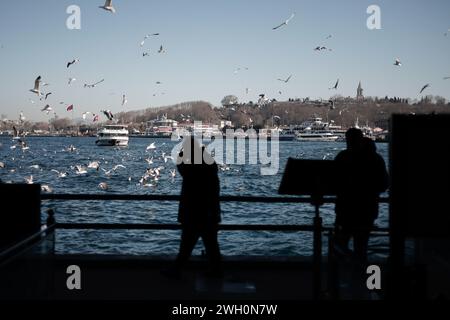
x: 36, y: 88
x: 46, y: 96
x: 424, y: 87
x: 148, y: 36
x: 71, y: 80
x: 108, y: 6
x: 94, y: 84
x: 284, y: 23
x: 108, y: 114
x: 397, y: 62
x: 285, y: 80
x: 47, y: 109
x: 72, y: 62
x: 124, y: 100
x: 335, y: 85
x: 328, y: 37
x: 446, y: 78
x: 161, y: 49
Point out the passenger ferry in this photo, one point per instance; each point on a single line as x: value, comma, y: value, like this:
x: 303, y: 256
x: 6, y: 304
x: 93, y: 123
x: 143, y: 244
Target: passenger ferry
x: 161, y: 127
x: 316, y: 130
x: 112, y: 135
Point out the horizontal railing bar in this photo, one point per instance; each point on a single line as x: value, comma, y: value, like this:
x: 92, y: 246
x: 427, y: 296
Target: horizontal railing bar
x: 152, y: 197
x: 176, y: 226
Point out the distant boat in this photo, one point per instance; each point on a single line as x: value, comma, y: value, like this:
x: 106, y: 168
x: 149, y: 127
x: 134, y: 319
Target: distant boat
x: 316, y: 130
x: 113, y: 135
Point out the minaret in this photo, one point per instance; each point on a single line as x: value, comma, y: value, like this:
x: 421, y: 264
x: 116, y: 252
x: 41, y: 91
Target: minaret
x: 359, y: 92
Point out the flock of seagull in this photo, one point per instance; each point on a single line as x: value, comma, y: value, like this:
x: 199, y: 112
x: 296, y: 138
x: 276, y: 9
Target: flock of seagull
x: 155, y: 158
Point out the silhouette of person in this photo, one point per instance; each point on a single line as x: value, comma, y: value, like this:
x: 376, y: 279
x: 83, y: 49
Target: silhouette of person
x: 199, y: 208
x: 363, y: 176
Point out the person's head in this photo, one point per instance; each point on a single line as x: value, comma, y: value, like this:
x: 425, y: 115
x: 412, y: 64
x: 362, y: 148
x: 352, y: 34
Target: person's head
x: 368, y: 145
x: 353, y: 137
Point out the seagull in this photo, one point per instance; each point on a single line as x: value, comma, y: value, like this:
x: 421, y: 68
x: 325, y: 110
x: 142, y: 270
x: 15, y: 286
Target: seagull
x: 36, y: 88
x: 71, y: 80
x: 144, y: 54
x: 35, y: 166
x: 103, y: 185
x: 108, y: 114
x: 85, y: 114
x: 285, y: 80
x: 80, y: 169
x: 158, y: 82
x: 397, y: 62
x: 29, y: 180
x: 93, y: 165
x: 22, y: 117
x: 72, y: 62
x: 124, y: 100
x: 284, y: 23
x: 173, y: 173
x: 161, y: 50
x: 148, y: 36
x: 117, y: 166
x: 46, y: 188
x: 47, y: 109
x: 46, y: 96
x: 424, y: 87
x: 94, y: 84
x: 151, y: 146
x: 328, y: 37
x: 60, y: 174
x: 335, y: 85
x: 108, y: 6
x: 446, y: 78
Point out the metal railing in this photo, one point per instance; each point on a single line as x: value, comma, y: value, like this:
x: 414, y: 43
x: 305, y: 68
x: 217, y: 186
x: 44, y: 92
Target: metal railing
x: 317, y: 228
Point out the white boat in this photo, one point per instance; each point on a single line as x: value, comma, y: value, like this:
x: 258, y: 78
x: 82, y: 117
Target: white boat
x: 161, y: 127
x: 316, y: 130
x: 112, y: 135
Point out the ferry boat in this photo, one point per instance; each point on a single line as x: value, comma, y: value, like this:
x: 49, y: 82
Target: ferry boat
x: 112, y: 135
x: 316, y: 130
x: 161, y: 127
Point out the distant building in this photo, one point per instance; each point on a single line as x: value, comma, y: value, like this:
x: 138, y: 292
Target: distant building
x: 359, y: 93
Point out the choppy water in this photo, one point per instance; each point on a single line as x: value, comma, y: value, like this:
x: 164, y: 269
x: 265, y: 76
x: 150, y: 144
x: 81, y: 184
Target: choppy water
x: 50, y: 153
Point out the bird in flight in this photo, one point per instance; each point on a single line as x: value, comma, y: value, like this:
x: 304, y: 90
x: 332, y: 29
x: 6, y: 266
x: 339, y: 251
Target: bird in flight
x: 94, y: 84
x: 397, y: 62
x: 36, y: 88
x: 71, y: 80
x: 161, y: 49
x: 108, y: 6
x: 446, y: 78
x: 335, y: 85
x: 328, y: 37
x: 47, y: 109
x: 285, y: 22
x: 285, y: 80
x: 72, y: 62
x: 424, y: 87
x: 148, y: 36
x: 108, y: 114
x: 124, y: 100
x: 46, y: 96
x: 144, y: 54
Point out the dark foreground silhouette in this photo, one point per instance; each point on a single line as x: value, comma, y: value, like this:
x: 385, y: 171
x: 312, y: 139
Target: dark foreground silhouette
x: 362, y: 177
x: 199, y: 209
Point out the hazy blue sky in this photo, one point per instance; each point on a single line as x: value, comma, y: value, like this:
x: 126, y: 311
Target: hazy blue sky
x: 206, y: 40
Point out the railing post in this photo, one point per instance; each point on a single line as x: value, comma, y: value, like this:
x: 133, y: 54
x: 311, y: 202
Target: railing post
x: 51, y: 222
x: 317, y: 251
x: 333, y: 271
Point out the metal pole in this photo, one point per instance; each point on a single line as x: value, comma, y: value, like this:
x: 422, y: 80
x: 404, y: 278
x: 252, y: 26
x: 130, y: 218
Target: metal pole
x: 317, y: 253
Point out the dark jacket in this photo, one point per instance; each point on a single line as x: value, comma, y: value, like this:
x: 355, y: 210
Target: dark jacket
x: 362, y: 177
x: 199, y: 204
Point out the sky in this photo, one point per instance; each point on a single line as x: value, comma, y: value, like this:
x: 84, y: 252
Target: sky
x: 205, y: 41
